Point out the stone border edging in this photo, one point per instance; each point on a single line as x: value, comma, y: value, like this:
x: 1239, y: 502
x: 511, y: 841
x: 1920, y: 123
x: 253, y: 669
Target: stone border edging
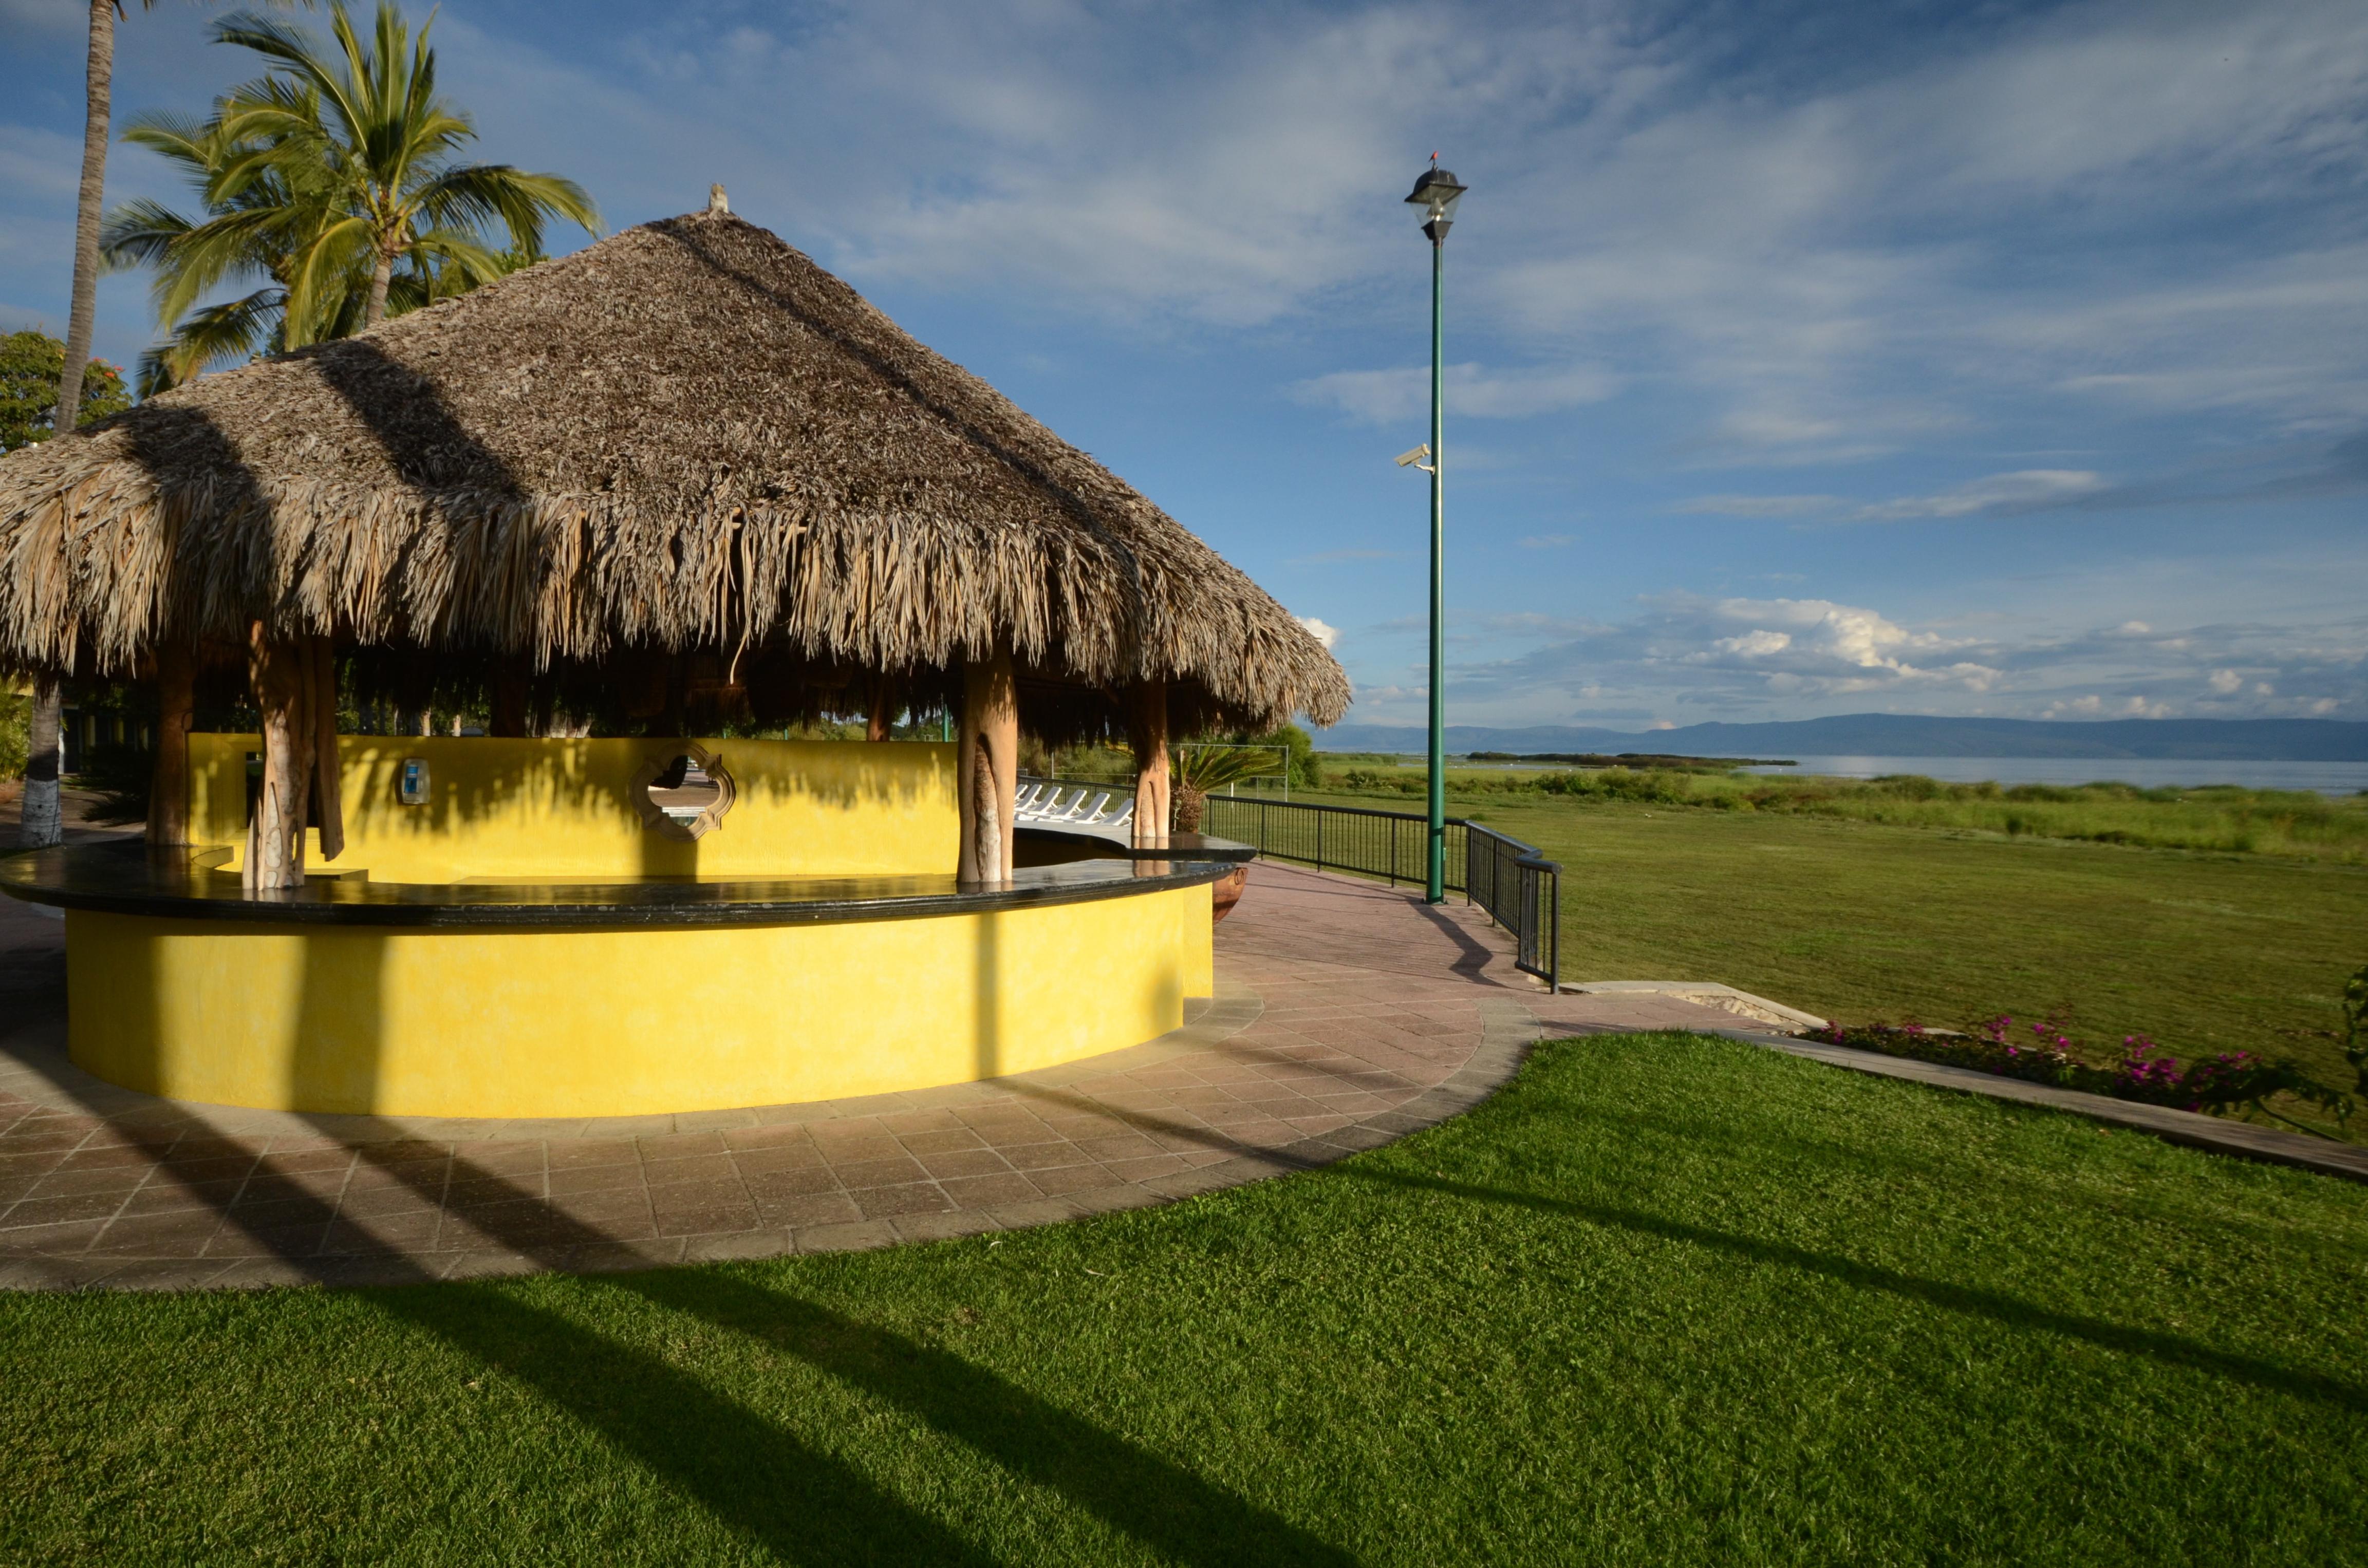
x: 1727, y: 998
x: 2186, y: 1128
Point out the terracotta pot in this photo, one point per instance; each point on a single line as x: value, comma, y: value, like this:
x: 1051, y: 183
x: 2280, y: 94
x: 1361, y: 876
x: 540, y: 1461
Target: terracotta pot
x: 1225, y: 892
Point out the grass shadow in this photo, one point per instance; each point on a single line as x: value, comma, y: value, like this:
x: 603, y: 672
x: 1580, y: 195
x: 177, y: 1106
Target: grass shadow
x: 2169, y: 1349
x: 1182, y: 1515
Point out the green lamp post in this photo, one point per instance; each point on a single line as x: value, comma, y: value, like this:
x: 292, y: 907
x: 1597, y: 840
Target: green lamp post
x: 1437, y: 192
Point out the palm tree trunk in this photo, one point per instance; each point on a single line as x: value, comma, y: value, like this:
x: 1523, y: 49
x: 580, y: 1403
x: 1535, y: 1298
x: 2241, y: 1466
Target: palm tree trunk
x: 39, y: 824
x: 380, y: 276
x: 98, y: 108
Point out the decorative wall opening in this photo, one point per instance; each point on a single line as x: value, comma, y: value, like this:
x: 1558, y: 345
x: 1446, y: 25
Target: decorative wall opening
x: 682, y: 791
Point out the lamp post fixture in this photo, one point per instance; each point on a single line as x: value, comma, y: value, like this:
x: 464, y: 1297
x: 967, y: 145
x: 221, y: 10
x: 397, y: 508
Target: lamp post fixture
x: 1437, y: 192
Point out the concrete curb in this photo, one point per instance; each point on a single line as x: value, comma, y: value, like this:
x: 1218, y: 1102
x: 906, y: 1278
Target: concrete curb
x: 2238, y: 1140
x: 1709, y: 994
x: 2210, y: 1133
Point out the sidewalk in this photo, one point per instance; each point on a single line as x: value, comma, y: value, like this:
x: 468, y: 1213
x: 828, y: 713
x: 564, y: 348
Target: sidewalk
x: 1348, y: 1014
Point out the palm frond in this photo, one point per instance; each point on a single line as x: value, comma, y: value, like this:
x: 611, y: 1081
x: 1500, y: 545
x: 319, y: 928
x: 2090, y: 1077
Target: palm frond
x: 319, y: 272
x: 231, y: 244
x: 296, y: 53
x: 235, y: 329
x: 475, y: 194
x: 1215, y: 767
x: 179, y: 137
x: 139, y: 234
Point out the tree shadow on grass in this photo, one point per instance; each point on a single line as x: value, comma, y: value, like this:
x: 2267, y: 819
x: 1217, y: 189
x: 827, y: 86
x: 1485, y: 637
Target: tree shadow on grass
x: 2166, y: 1348
x: 756, y: 1477
x: 744, y: 1470
x: 801, y: 1504
x: 1168, y: 1507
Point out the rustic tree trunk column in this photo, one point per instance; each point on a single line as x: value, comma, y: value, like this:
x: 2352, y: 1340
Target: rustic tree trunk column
x: 169, y: 788
x: 882, y: 713
x: 275, y: 839
x: 511, y: 690
x: 1147, y: 732
x: 325, y: 765
x: 40, y: 821
x: 988, y: 760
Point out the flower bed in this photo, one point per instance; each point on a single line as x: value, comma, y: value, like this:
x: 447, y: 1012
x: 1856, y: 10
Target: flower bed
x: 2142, y: 1070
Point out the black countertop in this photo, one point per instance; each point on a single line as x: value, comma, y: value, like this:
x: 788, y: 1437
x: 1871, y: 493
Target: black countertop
x: 1084, y: 838
x: 126, y: 878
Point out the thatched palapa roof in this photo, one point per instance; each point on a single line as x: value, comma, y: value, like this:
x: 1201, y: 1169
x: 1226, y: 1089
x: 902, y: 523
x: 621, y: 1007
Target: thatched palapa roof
x: 686, y: 436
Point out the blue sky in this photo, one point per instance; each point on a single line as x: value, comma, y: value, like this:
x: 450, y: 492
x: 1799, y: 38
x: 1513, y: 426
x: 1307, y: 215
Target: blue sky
x: 1812, y: 358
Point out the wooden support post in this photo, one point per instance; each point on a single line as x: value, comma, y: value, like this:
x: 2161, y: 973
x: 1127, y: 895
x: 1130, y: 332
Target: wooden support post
x: 882, y: 696
x: 168, y: 786
x: 989, y: 759
x: 326, y: 788
x: 999, y: 727
x: 511, y: 690
x: 41, y: 820
x: 275, y: 839
x: 1147, y: 732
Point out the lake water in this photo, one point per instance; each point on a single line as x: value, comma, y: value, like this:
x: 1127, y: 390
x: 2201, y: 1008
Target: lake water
x: 2327, y: 777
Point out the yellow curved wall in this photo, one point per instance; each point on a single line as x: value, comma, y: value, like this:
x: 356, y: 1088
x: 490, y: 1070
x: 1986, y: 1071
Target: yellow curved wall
x: 529, y: 1023
x: 502, y: 809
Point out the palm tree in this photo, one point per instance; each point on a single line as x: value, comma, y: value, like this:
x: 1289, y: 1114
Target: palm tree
x: 362, y: 129
x: 39, y: 821
x: 261, y: 215
x: 251, y: 233
x: 1198, y: 769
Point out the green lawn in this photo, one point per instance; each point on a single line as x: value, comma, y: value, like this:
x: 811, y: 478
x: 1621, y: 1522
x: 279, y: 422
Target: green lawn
x: 1666, y: 1298
x: 2218, y: 817
x: 1857, y: 920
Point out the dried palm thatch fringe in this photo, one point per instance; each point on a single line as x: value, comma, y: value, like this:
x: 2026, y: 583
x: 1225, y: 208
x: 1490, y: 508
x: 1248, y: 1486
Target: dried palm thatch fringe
x: 687, y: 436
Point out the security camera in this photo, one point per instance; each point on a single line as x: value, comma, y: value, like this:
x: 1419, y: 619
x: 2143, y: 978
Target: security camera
x: 1414, y: 455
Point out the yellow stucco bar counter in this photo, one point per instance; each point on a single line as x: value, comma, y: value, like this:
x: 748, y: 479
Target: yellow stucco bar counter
x: 569, y: 997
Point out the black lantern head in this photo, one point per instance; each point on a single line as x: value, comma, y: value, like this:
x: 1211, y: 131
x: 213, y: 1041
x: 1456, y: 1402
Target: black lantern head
x: 1437, y: 193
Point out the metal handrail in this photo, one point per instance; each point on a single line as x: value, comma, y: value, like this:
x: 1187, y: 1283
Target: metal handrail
x: 1519, y: 889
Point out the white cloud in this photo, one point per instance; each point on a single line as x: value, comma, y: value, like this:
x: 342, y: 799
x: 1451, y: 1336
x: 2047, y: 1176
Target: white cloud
x: 37, y: 162
x: 1324, y: 633
x: 1382, y: 397
x: 1832, y: 265
x: 1548, y: 541
x: 1756, y: 644
x: 2027, y: 490
x: 1998, y: 495
x: 1335, y: 557
x: 1791, y: 658
x: 1759, y: 506
x: 45, y: 16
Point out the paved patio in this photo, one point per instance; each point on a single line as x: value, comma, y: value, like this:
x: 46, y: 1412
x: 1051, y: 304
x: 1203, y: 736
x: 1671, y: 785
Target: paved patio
x: 1348, y: 1014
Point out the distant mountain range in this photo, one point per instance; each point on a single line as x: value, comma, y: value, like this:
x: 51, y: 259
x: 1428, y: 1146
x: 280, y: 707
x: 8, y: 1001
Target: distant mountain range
x: 1910, y: 734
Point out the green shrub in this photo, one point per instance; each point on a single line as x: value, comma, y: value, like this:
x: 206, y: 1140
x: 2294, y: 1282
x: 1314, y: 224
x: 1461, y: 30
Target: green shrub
x: 2222, y: 819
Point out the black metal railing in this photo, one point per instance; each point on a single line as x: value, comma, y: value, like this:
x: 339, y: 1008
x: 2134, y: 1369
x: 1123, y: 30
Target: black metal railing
x: 1520, y: 889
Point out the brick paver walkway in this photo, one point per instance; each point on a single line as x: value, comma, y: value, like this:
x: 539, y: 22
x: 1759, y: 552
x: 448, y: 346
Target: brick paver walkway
x: 1348, y: 1014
